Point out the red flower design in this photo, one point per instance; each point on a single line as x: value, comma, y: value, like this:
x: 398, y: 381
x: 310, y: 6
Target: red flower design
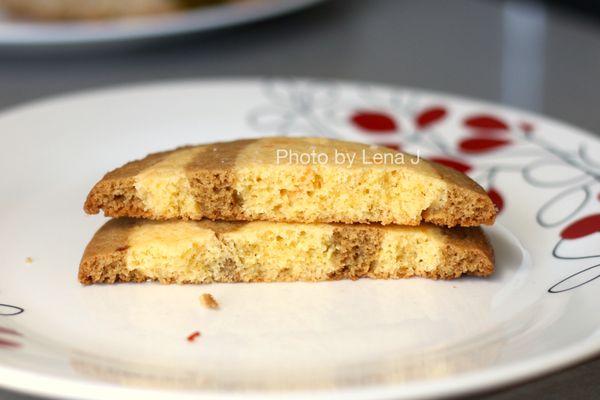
x: 8, y: 344
x: 479, y: 145
x: 526, y: 127
x: 582, y: 227
x: 497, y: 198
x: 374, y: 121
x: 429, y: 116
x: 460, y: 166
x: 485, y: 121
x: 9, y: 331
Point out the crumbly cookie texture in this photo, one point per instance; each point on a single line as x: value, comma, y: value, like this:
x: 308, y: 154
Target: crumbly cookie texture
x: 133, y: 250
x: 260, y: 179
x: 94, y: 9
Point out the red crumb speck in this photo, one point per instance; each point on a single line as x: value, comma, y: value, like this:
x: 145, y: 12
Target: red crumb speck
x: 193, y: 336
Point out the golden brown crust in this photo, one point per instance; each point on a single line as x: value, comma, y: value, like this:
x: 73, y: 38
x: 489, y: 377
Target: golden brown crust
x: 115, y: 193
x: 470, y: 250
x: 465, y: 195
x: 466, y: 251
x: 104, y: 257
x: 356, y: 249
x: 212, y: 180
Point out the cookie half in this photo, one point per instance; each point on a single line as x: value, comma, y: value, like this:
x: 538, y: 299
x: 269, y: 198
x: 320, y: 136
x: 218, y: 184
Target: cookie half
x: 292, y: 180
x: 133, y: 250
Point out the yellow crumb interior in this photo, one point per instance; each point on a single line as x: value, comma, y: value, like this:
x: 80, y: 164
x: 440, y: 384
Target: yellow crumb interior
x: 282, y: 252
x: 174, y: 251
x: 192, y: 252
x: 272, y: 179
x: 409, y: 251
x: 165, y: 189
x: 325, y: 192
x: 273, y: 189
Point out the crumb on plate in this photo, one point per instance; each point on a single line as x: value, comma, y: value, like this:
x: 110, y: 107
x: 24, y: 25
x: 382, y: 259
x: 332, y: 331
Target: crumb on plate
x: 208, y: 301
x: 28, y: 260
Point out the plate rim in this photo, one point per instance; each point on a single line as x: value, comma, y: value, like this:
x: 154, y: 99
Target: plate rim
x: 22, y: 380
x: 467, y: 383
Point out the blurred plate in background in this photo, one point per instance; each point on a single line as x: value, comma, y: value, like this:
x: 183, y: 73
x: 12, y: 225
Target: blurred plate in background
x: 15, y: 31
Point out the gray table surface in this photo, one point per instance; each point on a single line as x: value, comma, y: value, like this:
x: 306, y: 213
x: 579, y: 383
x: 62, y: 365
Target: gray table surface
x: 524, y: 54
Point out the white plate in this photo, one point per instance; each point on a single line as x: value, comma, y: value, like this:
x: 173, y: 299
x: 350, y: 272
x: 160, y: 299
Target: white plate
x: 351, y: 340
x: 21, y: 32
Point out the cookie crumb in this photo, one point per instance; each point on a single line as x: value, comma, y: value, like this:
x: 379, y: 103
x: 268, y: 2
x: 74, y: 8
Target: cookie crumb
x: 28, y: 260
x: 193, y: 336
x: 208, y: 301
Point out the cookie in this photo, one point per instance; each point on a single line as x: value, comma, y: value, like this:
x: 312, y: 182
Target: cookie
x: 134, y: 250
x: 96, y: 9
x: 285, y: 179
